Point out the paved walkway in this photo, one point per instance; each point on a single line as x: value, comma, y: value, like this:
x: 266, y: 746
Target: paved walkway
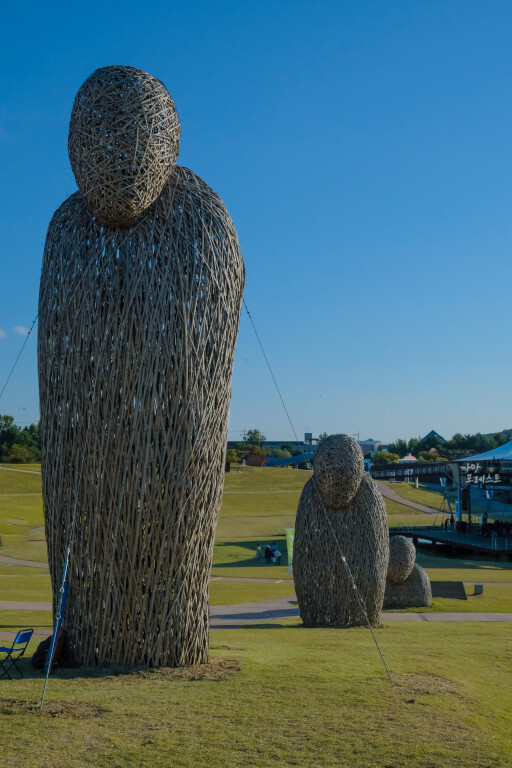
x: 28, y: 563
x: 16, y: 605
x: 27, y: 471
x: 248, y: 614
x: 232, y: 616
x: 390, y: 494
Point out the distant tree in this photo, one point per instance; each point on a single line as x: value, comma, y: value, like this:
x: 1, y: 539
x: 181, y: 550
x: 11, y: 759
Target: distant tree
x: 254, y: 436
x: 244, y: 448
x: 232, y: 455
x: 385, y: 457
x: 425, y: 456
x: 477, y: 443
x: 399, y: 446
x: 322, y: 436
x: 19, y: 454
x: 12, y: 435
x: 278, y: 453
x: 287, y: 447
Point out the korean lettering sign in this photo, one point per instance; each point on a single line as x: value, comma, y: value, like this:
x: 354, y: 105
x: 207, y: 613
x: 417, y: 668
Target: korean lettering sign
x: 476, y: 473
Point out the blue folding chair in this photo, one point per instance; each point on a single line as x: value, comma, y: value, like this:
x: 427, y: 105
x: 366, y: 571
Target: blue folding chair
x: 14, y: 653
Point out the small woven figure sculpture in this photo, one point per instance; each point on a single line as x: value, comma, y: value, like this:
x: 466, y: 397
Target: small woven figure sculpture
x: 341, y: 514
x: 407, y: 583
x: 139, y: 305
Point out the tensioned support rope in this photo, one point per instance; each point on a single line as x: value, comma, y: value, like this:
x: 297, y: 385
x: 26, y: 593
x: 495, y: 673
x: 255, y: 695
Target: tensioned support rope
x: 19, y: 355
x: 343, y: 559
x: 58, y: 622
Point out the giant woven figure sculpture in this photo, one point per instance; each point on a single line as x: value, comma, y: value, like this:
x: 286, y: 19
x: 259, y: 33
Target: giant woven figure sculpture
x: 139, y: 306
x: 341, y: 514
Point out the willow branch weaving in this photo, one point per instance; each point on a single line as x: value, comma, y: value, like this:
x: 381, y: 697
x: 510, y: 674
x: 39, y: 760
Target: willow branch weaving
x: 341, y: 514
x: 124, y: 139
x: 407, y: 583
x: 137, y: 330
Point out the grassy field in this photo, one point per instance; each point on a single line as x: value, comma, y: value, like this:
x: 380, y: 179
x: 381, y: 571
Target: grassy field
x: 257, y: 506
x: 427, y: 493
x: 280, y: 695
x: 273, y: 693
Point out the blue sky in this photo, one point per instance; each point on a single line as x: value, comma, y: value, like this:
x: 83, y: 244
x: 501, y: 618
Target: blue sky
x: 363, y: 150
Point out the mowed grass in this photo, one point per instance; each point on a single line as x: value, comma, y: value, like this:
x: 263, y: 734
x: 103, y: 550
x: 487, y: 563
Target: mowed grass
x: 428, y: 494
x: 21, y: 516
x: 258, y: 504
x: 33, y: 468
x: 280, y: 695
x: 495, y: 599
x: 274, y: 693
x: 400, y: 514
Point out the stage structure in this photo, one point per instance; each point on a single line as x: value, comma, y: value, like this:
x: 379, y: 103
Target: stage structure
x: 140, y: 300
x: 407, y: 583
x: 341, y: 514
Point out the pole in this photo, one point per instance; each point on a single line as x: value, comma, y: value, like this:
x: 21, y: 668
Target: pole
x: 58, y: 622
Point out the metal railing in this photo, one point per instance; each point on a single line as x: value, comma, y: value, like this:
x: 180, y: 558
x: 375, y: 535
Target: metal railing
x: 501, y: 544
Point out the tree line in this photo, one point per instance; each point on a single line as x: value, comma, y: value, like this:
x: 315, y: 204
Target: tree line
x: 428, y: 449
x: 251, y: 443
x: 434, y: 448
x: 18, y: 445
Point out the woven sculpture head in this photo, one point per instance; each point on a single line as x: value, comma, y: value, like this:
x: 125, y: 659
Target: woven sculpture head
x: 402, y: 556
x: 124, y: 138
x: 338, y: 470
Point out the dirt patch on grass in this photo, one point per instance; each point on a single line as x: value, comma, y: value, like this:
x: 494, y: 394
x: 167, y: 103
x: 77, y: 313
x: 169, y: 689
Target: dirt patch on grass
x: 77, y: 710
x: 216, y: 669
x: 426, y: 684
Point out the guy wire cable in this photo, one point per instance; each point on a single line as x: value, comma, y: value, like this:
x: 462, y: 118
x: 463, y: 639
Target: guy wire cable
x: 343, y: 559
x: 19, y: 355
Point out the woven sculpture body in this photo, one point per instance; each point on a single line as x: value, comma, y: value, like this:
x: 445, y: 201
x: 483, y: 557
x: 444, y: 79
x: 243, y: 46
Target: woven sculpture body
x: 340, y: 505
x: 137, y: 330
x: 407, y: 583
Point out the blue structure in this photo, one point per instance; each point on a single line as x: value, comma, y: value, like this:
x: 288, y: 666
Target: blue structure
x: 299, y: 459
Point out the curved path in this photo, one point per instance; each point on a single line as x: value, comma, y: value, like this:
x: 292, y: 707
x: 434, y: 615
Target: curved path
x: 248, y: 614
x: 26, y: 471
x: 233, y: 616
x: 390, y: 494
x: 6, y: 560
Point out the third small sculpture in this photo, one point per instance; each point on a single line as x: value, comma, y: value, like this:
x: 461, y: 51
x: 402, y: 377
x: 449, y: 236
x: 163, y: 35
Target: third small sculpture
x: 341, y: 547
x: 407, y: 584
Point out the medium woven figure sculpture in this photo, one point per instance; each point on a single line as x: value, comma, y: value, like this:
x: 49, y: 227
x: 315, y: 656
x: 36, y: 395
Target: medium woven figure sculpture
x: 124, y: 139
x: 341, y: 514
x: 137, y: 330
x: 407, y: 583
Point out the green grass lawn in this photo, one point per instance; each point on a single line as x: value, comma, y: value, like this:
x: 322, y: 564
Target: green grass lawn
x: 493, y: 600
x: 285, y: 696
x: 399, y: 514
x: 24, y: 467
x: 428, y: 494
x: 274, y: 693
x: 464, y: 569
x: 257, y: 505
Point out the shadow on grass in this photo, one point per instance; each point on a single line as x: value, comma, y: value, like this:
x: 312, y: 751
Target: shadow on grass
x: 251, y: 546
x: 216, y: 669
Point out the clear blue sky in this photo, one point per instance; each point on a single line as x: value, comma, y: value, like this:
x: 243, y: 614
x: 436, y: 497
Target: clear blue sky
x: 363, y: 150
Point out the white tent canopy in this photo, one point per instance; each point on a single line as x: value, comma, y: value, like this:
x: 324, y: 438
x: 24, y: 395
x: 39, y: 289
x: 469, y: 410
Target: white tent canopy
x: 502, y: 453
